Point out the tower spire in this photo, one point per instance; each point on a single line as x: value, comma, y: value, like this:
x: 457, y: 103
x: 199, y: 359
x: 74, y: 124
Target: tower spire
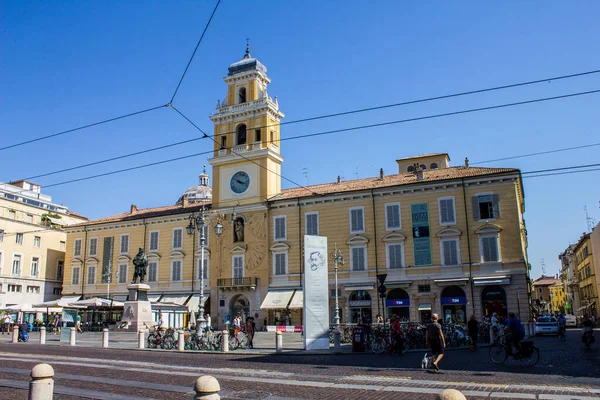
x: 248, y: 47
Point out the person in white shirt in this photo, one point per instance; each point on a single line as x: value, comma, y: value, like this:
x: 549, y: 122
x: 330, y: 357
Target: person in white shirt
x: 6, y: 324
x: 208, y: 322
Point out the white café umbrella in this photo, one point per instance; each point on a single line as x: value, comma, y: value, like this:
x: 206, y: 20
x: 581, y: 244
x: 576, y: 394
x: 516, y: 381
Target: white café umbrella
x: 98, y: 302
x: 24, y: 307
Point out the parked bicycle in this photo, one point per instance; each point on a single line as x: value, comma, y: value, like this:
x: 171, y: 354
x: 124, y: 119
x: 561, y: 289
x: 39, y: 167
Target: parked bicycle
x: 529, y: 354
x: 164, y: 340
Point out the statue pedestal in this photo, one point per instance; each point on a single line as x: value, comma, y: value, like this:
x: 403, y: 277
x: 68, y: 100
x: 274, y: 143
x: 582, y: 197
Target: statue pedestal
x: 137, y: 311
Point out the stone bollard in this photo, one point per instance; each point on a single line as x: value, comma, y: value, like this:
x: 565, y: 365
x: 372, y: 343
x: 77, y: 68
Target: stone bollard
x: 141, y: 339
x: 180, y: 341
x: 207, y: 388
x: 492, y: 335
x: 15, y: 337
x: 451, y: 394
x: 41, y: 386
x: 278, y: 342
x: 225, y: 341
x: 336, y: 341
x: 73, y: 337
x: 105, y: 338
x: 43, y: 335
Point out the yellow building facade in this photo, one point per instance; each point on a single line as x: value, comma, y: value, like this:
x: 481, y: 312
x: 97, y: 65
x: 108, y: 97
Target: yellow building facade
x: 557, y: 298
x: 588, y: 286
x: 452, y: 240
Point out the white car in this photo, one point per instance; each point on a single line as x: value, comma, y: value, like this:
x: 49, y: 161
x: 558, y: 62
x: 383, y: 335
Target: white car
x: 546, y: 325
x: 571, y: 320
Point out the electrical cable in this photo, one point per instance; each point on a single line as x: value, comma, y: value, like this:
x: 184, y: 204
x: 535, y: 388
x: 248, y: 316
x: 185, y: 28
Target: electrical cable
x: 195, y: 50
x: 562, y: 173
x: 537, y: 154
x: 205, y: 135
x: 560, y: 169
x: 330, y: 132
x: 81, y: 127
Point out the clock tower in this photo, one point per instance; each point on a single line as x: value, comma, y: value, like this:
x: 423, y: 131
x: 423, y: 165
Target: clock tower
x: 246, y: 160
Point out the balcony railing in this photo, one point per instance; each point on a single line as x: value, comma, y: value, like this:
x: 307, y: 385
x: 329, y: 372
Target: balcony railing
x: 237, y: 282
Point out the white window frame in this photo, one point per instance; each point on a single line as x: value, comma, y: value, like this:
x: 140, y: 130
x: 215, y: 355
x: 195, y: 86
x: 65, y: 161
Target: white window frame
x: 306, y: 214
x: 285, y: 267
x: 233, y: 257
x: 95, y: 253
x: 121, y: 243
x: 18, y: 236
x: 87, y: 278
x: 366, y: 265
x: 62, y: 245
x: 284, y: 237
x: 1, y: 235
x: 61, y: 276
x: 180, y: 261
x: 1, y: 261
x: 206, y: 269
x: 443, y: 258
x: 37, y: 239
x: 150, y: 248
x: 173, y: 239
x: 488, y: 235
x: 21, y: 261
x: 393, y: 228
x: 487, y: 194
x: 440, y: 199
x: 387, y: 255
x: 119, y: 273
x: 78, y: 268
x: 39, y: 259
x: 157, y: 266
x: 75, y: 252
x: 362, y: 208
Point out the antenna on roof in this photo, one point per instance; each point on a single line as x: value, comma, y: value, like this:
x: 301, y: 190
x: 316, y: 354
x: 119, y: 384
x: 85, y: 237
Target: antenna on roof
x: 591, y: 222
x: 356, y: 173
x: 543, y: 264
x: 305, y: 173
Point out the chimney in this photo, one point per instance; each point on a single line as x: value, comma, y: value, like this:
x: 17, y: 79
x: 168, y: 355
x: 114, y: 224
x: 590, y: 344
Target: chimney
x: 185, y: 202
x: 133, y: 209
x: 339, y: 179
x: 381, y: 173
x: 466, y: 162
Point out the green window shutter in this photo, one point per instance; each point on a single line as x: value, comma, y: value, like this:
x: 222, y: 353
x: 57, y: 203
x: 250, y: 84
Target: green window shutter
x: 496, y: 205
x: 475, y: 202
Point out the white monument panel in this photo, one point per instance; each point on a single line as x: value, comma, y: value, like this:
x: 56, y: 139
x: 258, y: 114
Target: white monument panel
x: 316, y: 293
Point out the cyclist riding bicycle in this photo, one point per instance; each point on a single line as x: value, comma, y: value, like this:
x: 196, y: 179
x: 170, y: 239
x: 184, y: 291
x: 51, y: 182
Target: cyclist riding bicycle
x: 397, y: 334
x: 514, y: 333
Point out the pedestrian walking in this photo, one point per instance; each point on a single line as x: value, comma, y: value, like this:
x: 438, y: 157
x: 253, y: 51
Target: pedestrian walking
x: 265, y: 324
x: 435, y: 340
x: 57, y: 324
x: 473, y: 330
x: 6, y: 324
x: 250, y: 331
x: 78, y: 324
x: 208, y: 322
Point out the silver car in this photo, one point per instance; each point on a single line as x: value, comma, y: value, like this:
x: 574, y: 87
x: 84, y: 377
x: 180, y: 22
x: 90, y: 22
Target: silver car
x: 546, y: 325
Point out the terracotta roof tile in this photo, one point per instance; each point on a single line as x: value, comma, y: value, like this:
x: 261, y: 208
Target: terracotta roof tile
x: 389, y: 181
x: 145, y: 213
x: 546, y: 281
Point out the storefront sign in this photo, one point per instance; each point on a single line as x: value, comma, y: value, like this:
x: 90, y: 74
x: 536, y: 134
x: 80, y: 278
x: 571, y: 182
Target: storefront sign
x: 316, y: 293
x: 359, y: 303
x: 107, y: 253
x: 398, y: 303
x: 420, y: 229
x: 454, y: 300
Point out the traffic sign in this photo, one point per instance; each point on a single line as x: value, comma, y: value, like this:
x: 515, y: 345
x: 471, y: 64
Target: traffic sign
x: 381, y: 278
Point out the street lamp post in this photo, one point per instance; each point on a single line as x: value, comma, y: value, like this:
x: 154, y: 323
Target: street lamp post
x: 337, y: 258
x: 198, y: 222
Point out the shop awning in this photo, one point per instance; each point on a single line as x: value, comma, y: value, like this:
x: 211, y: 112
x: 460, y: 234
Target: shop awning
x: 451, y: 282
x: 492, y: 280
x: 175, y: 298
x: 424, y: 307
x: 297, y: 300
x: 153, y: 298
x: 194, y: 303
x: 349, y: 288
x: 276, y: 299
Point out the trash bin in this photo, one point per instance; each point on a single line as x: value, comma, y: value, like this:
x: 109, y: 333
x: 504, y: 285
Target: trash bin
x: 358, y: 340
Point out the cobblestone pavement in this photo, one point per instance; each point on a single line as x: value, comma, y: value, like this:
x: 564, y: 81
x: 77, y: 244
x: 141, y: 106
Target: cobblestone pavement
x: 565, y: 371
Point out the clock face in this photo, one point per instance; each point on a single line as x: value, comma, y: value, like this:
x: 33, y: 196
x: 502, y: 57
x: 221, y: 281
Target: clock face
x: 239, y: 182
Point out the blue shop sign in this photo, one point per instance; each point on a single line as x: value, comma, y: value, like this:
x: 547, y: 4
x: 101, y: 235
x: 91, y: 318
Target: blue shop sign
x: 398, y: 303
x: 454, y: 300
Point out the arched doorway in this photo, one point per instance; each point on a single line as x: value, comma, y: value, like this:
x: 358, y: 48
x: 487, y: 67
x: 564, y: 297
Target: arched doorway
x: 240, y: 305
x: 454, y: 305
x: 493, y: 300
x: 360, y: 306
x: 398, y: 302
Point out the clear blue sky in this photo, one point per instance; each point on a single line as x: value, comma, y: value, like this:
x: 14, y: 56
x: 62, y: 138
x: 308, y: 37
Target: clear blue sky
x: 69, y: 63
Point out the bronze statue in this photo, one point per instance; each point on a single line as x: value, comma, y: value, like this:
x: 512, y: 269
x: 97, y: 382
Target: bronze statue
x: 140, y: 262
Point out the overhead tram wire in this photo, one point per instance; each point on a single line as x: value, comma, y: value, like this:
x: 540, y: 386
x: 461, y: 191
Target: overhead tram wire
x: 239, y: 155
x: 315, y: 118
x: 195, y: 50
x: 81, y: 127
x: 337, y: 131
x: 539, y: 153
